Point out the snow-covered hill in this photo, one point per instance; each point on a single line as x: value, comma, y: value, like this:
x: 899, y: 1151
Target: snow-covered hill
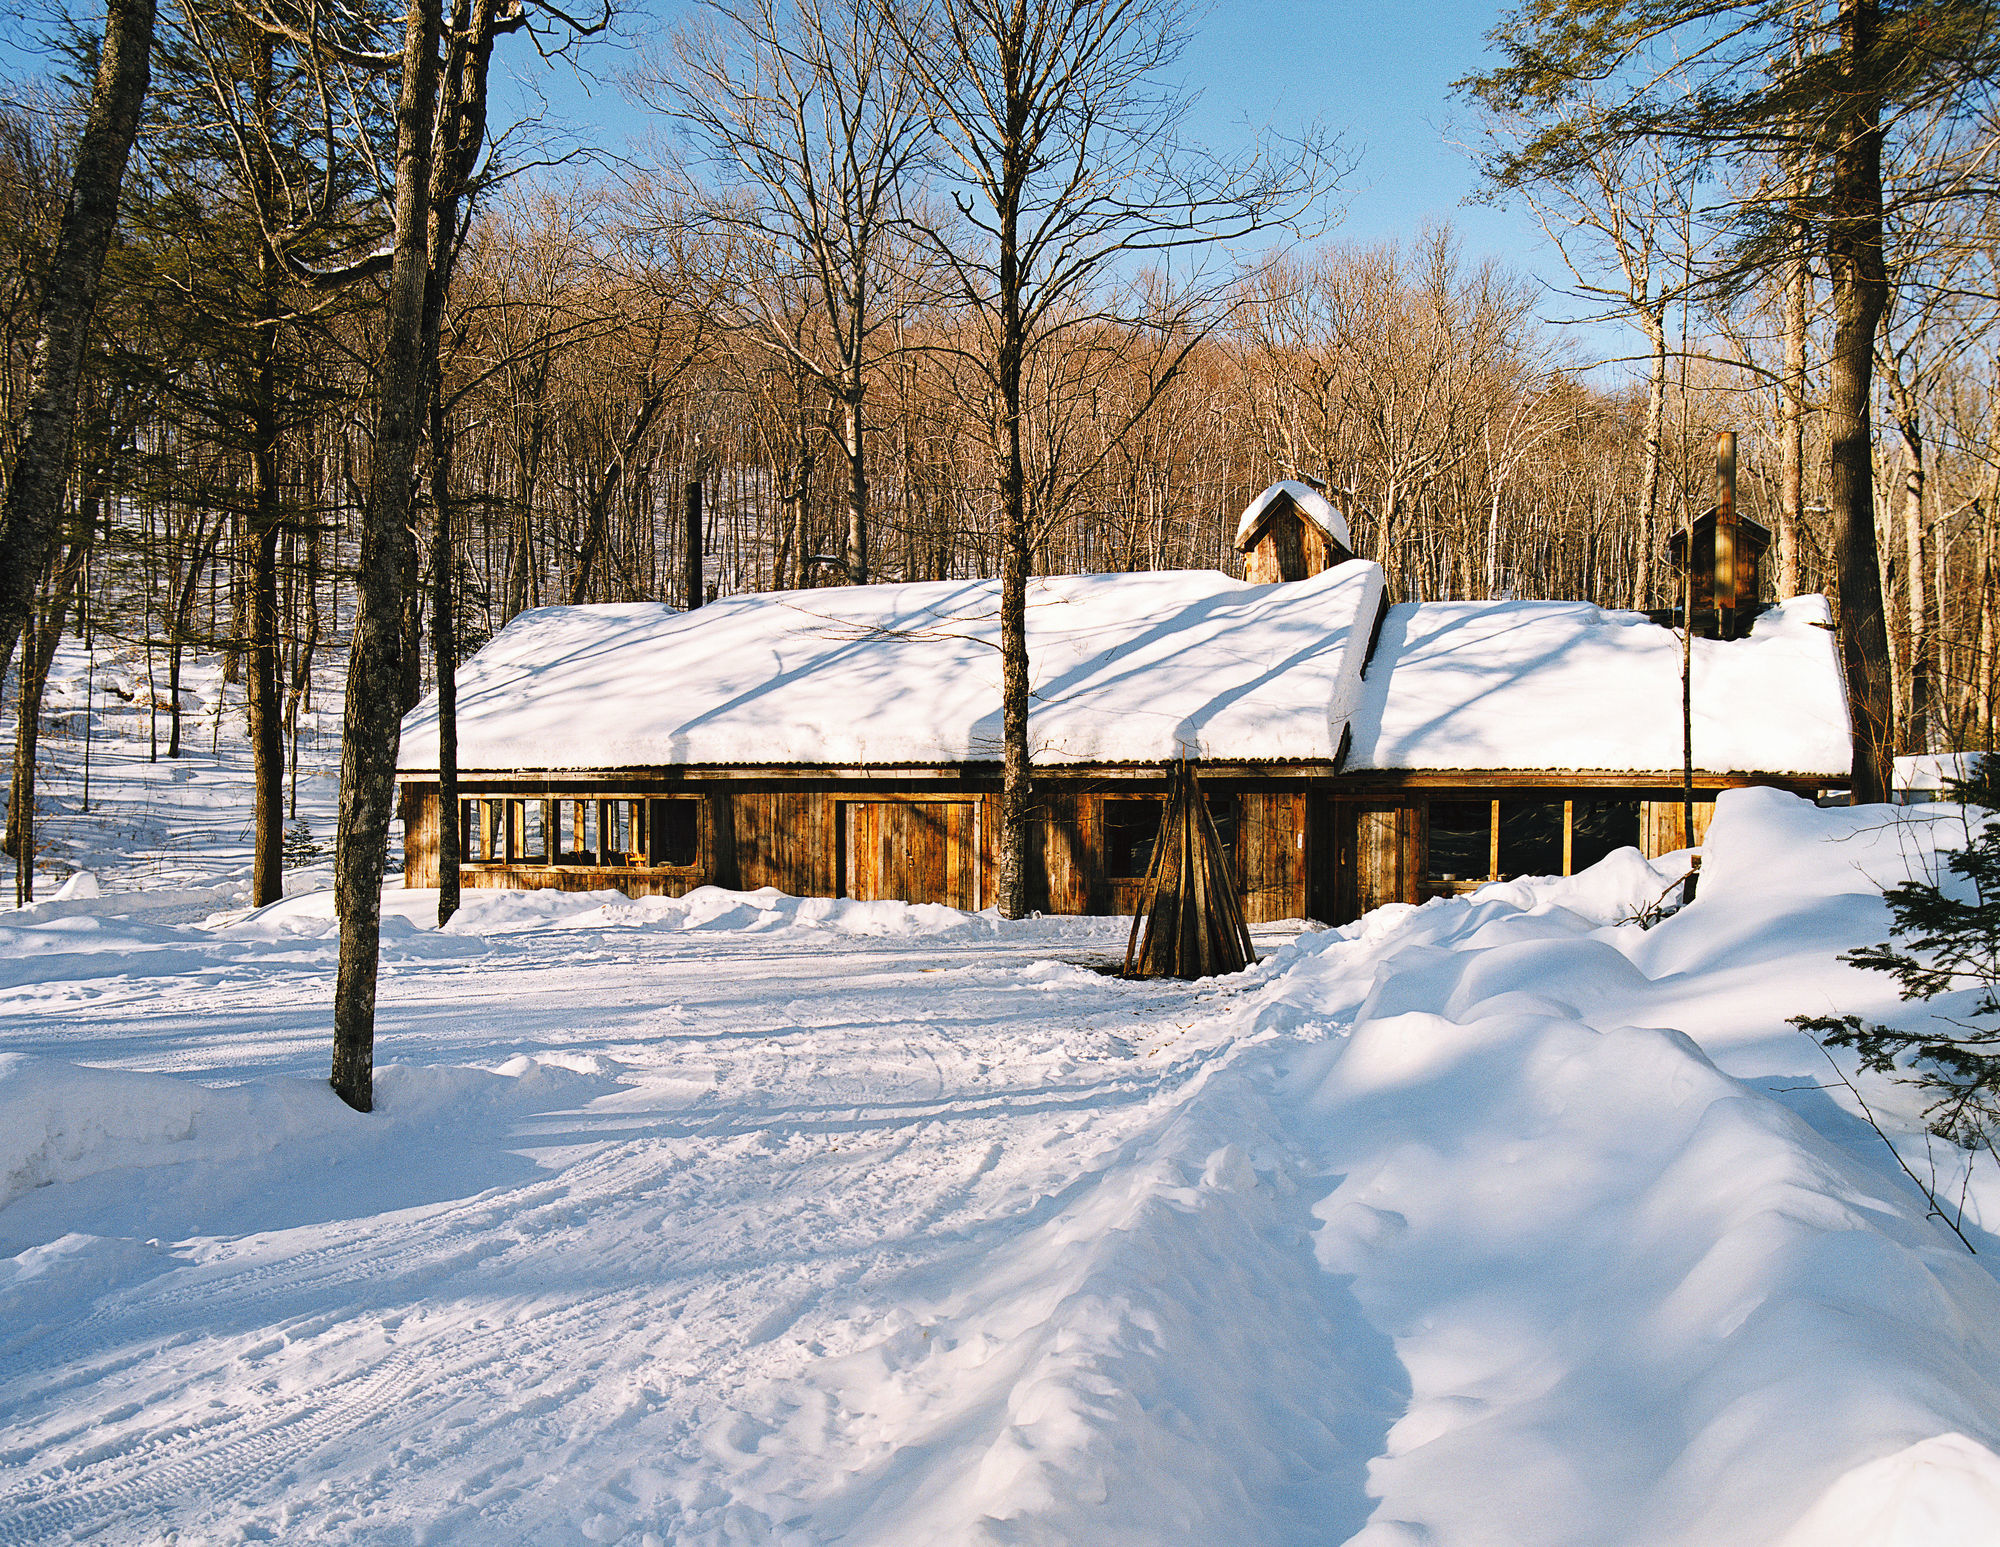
x: 744, y: 1219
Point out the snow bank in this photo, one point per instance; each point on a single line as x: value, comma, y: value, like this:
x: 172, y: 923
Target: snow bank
x: 1569, y: 685
x: 1126, y: 668
x: 1639, y: 1300
x: 60, y: 1122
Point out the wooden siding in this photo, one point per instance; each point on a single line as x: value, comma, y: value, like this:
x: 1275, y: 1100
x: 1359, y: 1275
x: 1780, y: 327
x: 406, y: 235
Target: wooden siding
x: 786, y: 839
x: 1328, y: 847
x: 911, y: 850
x: 420, y: 834
x: 1289, y: 546
x: 1070, y: 875
x: 1272, y: 835
x: 1663, y: 824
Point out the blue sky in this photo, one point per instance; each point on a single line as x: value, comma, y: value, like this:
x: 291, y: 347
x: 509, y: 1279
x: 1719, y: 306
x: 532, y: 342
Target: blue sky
x: 1378, y: 72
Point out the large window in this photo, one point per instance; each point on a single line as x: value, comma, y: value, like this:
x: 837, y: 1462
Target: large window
x: 1131, y: 828
x: 576, y: 828
x: 532, y: 831
x: 1483, y: 840
x: 1461, y: 840
x: 676, y: 835
x: 624, y: 831
x: 1531, y: 837
x: 1599, y: 826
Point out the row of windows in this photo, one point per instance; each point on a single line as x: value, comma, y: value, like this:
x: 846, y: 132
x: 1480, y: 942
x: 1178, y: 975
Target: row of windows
x: 622, y: 830
x: 1470, y: 840
x: 1475, y: 840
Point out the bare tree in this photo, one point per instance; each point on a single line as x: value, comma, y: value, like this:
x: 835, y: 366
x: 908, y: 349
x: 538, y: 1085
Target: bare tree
x: 1059, y: 150
x: 1620, y: 215
x: 809, y: 120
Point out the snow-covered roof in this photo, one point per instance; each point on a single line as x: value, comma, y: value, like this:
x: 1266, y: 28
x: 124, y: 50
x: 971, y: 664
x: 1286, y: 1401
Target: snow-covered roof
x: 1125, y: 668
x: 1525, y: 685
x: 1311, y: 503
x: 1142, y: 668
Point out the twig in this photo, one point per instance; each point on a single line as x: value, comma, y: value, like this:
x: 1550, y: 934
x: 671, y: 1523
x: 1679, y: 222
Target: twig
x: 1937, y: 1210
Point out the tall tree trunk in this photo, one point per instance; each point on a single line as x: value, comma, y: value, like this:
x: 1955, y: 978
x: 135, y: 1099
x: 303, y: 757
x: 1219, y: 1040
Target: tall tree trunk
x: 1860, y: 290
x: 262, y: 534
x: 1649, y: 467
x: 373, y: 721
x: 33, y: 509
x: 1916, y: 729
x: 1017, y: 795
x: 851, y: 436
x: 1792, y: 428
x: 42, y: 638
x: 444, y: 640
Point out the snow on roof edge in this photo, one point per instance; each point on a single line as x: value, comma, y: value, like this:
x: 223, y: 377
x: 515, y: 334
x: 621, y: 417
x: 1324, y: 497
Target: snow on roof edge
x: 1314, y: 505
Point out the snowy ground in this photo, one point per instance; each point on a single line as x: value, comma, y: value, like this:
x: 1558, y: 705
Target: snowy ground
x: 749, y: 1220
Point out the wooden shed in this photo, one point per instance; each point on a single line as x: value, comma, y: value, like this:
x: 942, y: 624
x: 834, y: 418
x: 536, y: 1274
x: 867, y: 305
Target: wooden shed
x: 845, y: 742
x: 1291, y: 532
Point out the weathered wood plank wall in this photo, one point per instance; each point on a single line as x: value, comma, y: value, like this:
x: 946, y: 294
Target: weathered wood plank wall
x: 1302, y: 848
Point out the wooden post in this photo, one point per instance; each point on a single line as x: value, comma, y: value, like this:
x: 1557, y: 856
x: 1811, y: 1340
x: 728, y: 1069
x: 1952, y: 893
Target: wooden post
x: 1725, y: 535
x: 693, y: 546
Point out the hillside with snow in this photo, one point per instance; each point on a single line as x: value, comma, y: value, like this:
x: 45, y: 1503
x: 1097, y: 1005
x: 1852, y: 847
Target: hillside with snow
x: 747, y: 1219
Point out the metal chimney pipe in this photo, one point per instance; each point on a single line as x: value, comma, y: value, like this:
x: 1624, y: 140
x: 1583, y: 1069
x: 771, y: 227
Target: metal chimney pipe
x: 693, y: 544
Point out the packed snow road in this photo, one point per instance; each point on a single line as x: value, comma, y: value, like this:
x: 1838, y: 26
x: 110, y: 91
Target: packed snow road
x: 694, y: 1209
x: 741, y: 1219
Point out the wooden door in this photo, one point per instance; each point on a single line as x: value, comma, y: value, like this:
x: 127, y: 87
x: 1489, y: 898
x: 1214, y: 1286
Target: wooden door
x: 911, y: 851
x: 1378, y: 856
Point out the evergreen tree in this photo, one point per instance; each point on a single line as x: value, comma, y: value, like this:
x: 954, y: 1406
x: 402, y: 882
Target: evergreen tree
x: 1946, y: 939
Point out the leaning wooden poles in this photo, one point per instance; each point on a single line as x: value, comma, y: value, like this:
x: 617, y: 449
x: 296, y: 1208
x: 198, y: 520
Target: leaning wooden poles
x: 1190, y: 923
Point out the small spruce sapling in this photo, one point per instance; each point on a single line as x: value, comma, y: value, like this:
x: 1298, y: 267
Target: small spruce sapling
x: 1942, y: 943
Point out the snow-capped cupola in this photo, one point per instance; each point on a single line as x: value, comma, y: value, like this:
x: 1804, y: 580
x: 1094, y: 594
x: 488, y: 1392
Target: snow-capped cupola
x: 1291, y: 532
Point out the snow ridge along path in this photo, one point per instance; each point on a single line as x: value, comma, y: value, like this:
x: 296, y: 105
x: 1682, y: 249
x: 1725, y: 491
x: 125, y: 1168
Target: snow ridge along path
x: 745, y: 1219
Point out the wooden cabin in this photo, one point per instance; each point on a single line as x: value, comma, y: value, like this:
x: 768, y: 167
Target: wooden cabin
x: 846, y: 742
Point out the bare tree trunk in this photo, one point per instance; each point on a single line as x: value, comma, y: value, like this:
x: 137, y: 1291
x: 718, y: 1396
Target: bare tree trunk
x: 42, y: 638
x: 444, y: 640
x: 1916, y: 729
x: 375, y: 669
x: 1860, y: 292
x: 1792, y: 429
x: 1017, y: 794
x: 35, y: 488
x: 1649, y: 467
x: 267, y: 742
x: 851, y: 429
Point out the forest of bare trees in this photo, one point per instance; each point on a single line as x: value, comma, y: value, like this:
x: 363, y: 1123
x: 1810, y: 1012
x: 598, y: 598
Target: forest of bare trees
x: 361, y: 361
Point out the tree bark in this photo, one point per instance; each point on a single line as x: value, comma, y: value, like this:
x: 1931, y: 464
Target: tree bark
x: 444, y: 641
x: 1859, y: 292
x: 42, y: 639
x: 1017, y: 796
x: 373, y: 721
x: 1917, y: 675
x: 851, y: 438
x: 1792, y: 429
x: 35, y: 489
x: 1649, y: 468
